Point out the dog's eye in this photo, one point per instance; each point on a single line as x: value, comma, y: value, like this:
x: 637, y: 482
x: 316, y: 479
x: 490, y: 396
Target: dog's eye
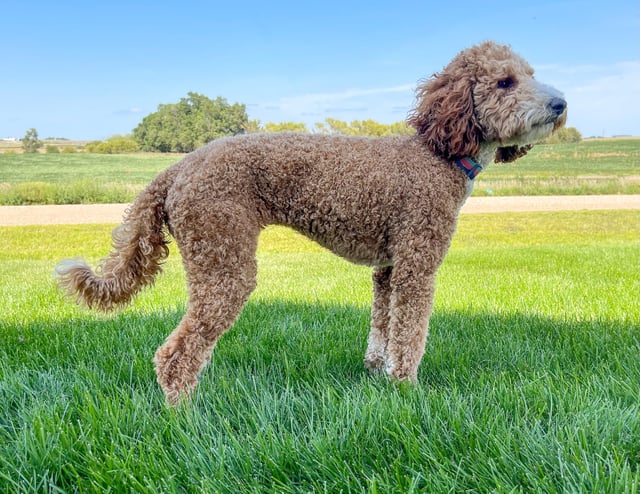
x: 506, y: 83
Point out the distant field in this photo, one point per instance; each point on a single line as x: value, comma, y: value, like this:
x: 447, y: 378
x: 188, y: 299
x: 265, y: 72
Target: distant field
x: 61, y: 168
x: 16, y: 146
x: 599, y: 166
x: 603, y: 166
x: 77, y: 178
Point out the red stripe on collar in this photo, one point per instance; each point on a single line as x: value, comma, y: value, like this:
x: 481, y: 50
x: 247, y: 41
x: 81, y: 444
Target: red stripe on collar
x: 469, y: 167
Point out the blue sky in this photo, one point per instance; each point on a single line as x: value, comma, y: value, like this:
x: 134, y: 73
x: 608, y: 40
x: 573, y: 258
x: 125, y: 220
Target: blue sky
x: 88, y: 70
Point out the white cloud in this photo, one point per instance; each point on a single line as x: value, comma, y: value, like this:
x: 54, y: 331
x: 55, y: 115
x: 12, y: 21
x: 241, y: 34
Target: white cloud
x: 357, y: 103
x: 341, y: 96
x: 603, y: 99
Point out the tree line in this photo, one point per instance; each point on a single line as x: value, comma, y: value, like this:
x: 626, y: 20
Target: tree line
x: 196, y: 120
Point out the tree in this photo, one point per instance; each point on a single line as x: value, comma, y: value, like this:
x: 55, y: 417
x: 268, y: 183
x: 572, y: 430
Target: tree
x: 565, y: 134
x: 333, y: 126
x: 253, y: 127
x: 116, y: 144
x: 30, y: 141
x: 193, y: 121
x: 369, y: 128
x: 256, y: 127
x: 285, y: 127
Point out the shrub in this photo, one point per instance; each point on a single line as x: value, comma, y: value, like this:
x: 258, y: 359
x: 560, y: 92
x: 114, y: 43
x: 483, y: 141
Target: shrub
x: 50, y: 149
x: 27, y: 194
x: 113, y: 145
x: 78, y: 192
x: 565, y: 134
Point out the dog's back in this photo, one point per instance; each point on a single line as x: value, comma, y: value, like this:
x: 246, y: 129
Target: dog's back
x: 351, y: 194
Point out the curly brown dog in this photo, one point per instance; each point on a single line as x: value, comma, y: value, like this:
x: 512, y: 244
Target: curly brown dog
x: 391, y: 203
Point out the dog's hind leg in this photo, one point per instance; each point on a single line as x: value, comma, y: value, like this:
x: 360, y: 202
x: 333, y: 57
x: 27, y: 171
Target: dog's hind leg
x: 219, y: 258
x: 375, y: 357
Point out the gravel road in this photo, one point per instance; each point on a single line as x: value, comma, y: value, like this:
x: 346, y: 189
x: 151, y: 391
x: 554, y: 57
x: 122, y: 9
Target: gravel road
x: 112, y: 213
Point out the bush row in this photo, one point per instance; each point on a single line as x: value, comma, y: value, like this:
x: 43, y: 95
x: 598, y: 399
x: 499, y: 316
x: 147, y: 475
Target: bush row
x: 80, y: 192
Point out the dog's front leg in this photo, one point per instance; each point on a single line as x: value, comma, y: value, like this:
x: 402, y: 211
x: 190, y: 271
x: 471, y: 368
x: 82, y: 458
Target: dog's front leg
x: 375, y: 357
x: 411, y: 302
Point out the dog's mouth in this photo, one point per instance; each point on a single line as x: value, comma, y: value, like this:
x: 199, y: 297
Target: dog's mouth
x: 519, y: 146
x: 534, y: 133
x: 539, y: 123
x: 560, y: 121
x: 555, y: 118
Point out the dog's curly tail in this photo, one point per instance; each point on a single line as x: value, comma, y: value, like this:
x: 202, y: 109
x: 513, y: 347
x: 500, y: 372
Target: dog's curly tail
x: 139, y: 248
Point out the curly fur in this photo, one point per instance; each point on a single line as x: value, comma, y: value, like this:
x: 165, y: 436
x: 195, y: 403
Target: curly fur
x: 391, y: 203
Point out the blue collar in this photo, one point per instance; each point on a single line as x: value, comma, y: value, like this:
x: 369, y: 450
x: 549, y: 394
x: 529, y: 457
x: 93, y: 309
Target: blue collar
x: 469, y: 167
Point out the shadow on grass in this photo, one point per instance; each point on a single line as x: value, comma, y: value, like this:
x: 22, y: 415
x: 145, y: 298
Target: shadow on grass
x: 287, y: 397
x: 307, y: 342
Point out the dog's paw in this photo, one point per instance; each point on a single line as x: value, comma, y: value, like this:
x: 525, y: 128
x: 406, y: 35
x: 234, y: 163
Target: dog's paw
x: 375, y: 363
x: 175, y: 396
x: 177, y: 380
x: 400, y: 374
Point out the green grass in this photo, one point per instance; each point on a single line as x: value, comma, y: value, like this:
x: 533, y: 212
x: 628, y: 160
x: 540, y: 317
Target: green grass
x: 530, y: 382
x: 590, y: 167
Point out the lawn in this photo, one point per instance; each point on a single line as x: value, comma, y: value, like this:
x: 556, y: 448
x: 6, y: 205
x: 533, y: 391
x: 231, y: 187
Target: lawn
x: 530, y: 382
x: 609, y: 166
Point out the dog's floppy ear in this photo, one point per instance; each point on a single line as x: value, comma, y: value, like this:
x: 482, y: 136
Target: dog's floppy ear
x: 511, y: 153
x: 444, y: 116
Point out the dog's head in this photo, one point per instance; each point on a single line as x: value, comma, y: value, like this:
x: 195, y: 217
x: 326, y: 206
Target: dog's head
x: 486, y: 95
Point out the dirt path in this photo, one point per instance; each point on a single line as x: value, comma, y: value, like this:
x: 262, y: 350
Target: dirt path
x: 112, y: 213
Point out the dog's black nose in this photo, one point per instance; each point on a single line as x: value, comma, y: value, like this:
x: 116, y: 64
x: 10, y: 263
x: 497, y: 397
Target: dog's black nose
x: 557, y: 105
